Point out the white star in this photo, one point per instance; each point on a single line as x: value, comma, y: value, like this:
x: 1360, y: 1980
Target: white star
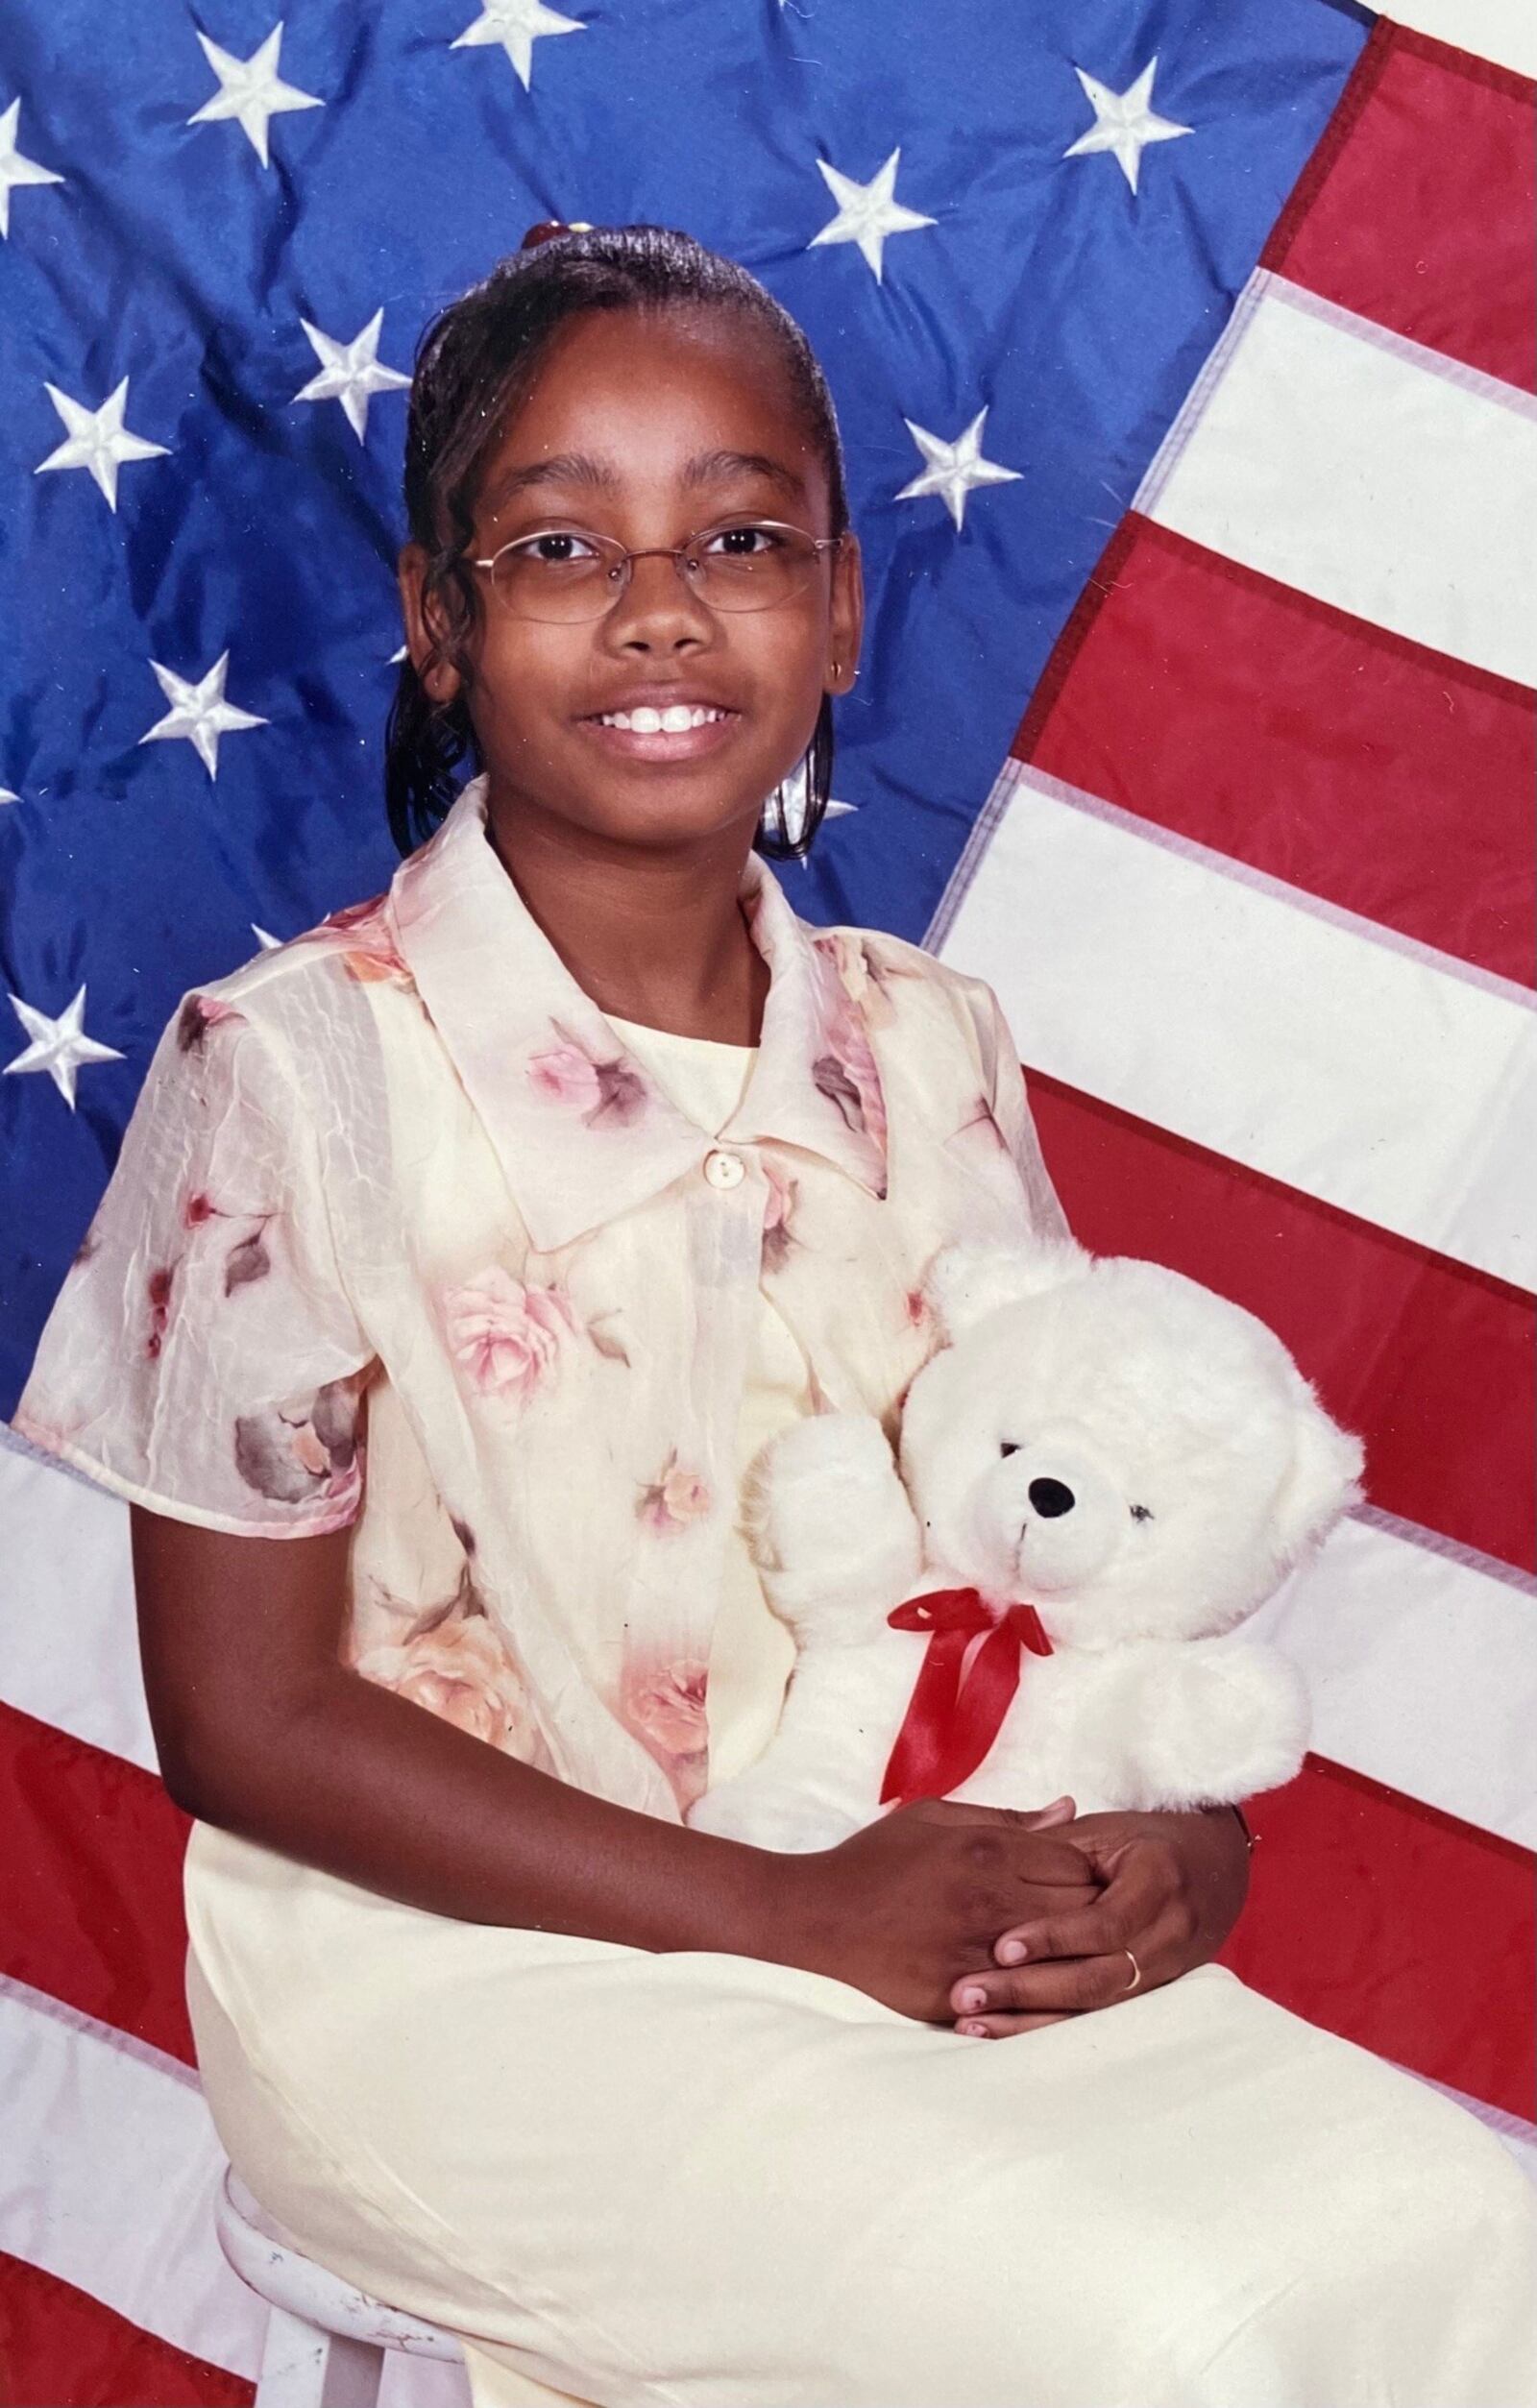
x: 58, y: 1046
x: 793, y: 797
x: 250, y: 89
x: 867, y: 213
x: 835, y: 810
x: 1124, y: 122
x: 516, y: 25
x: 8, y: 795
x: 200, y: 713
x: 350, y: 371
x: 14, y: 170
x: 268, y: 943
x: 953, y: 468
x: 98, y: 440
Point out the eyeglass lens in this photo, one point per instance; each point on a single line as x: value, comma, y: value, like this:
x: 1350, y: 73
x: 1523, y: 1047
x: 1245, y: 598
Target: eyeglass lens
x: 563, y: 575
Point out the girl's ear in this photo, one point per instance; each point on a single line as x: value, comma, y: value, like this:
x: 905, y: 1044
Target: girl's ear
x: 846, y: 626
x: 440, y: 678
x: 965, y: 1283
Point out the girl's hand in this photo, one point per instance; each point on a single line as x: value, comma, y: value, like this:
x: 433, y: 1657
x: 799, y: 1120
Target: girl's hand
x: 900, y: 1908
x: 1174, y: 1886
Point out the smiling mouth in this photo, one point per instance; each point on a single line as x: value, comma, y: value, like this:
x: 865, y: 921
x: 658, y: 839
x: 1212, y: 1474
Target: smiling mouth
x: 679, y: 733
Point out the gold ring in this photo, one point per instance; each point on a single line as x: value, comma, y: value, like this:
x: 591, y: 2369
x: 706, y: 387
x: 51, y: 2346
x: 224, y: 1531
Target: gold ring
x: 1136, y: 1973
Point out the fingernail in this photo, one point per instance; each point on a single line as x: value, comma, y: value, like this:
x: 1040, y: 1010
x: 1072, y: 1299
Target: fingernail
x: 975, y: 2031
x: 1012, y: 1953
x: 973, y: 1998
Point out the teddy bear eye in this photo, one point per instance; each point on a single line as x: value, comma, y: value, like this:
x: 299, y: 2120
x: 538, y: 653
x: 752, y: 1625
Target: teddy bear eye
x: 1009, y: 1446
x: 1141, y: 1513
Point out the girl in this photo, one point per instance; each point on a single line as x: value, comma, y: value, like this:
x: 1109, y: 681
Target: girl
x: 563, y: 1173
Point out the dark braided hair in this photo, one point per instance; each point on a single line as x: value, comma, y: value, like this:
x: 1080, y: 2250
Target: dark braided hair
x: 474, y: 362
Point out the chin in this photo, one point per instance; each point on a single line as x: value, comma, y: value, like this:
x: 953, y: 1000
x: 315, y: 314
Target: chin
x: 670, y: 814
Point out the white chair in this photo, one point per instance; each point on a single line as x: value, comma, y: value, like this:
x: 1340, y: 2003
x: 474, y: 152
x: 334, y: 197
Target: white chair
x: 326, y: 2341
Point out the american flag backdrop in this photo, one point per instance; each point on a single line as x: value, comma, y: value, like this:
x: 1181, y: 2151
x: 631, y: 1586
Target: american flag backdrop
x: 1183, y: 352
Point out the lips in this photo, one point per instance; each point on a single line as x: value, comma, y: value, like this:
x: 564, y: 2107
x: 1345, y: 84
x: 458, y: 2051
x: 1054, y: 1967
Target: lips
x: 660, y: 698
x: 674, y: 718
x: 662, y: 724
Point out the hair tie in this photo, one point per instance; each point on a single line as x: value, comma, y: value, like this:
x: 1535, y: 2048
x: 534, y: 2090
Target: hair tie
x: 549, y: 228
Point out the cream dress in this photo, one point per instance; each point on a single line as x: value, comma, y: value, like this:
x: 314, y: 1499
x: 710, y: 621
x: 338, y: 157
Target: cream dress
x: 693, y: 2178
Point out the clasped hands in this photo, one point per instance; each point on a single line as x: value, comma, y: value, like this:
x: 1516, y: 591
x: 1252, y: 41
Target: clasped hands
x: 1168, y: 1886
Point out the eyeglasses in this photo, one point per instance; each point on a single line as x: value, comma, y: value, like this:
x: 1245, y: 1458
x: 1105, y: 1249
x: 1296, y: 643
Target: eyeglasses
x: 563, y: 575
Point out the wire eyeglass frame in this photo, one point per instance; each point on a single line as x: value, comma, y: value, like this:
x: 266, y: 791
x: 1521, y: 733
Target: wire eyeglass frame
x: 621, y: 565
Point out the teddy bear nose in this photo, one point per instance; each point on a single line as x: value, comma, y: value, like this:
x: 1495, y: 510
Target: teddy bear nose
x: 1051, y: 1497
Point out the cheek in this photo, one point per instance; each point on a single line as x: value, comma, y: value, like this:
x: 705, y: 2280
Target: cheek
x: 525, y: 673
x: 783, y: 654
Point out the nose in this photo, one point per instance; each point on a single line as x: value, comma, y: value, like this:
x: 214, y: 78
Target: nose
x: 1051, y: 1497
x: 658, y: 610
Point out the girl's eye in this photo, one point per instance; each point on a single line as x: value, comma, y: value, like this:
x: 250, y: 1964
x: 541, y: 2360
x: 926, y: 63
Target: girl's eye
x: 743, y: 542
x: 562, y: 547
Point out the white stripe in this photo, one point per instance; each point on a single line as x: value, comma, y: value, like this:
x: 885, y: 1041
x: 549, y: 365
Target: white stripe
x: 1422, y: 1670
x: 1505, y: 30
x: 1217, y: 1002
x: 1422, y: 1658
x: 1363, y: 470
x: 107, y: 2180
x: 1356, y: 924
x: 68, y: 1637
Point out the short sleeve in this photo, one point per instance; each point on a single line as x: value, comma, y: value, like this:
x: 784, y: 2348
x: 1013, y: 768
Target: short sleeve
x: 202, y: 1357
x: 1010, y: 1105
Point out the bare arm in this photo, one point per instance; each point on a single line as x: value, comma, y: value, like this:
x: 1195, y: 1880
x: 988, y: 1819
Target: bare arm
x: 264, y: 1732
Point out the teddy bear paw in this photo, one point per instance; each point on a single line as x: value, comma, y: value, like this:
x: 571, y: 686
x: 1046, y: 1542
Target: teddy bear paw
x: 1220, y: 1727
x: 826, y: 1517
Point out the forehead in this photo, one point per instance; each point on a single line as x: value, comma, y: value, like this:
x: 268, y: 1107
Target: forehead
x: 676, y: 400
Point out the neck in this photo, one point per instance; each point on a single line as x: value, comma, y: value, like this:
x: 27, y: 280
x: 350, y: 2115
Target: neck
x: 659, y: 938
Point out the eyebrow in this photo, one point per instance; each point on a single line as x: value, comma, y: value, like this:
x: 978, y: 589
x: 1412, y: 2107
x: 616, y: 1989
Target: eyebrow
x: 581, y: 468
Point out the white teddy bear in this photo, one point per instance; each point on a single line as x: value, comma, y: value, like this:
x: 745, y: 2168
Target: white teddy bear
x: 1104, y: 1471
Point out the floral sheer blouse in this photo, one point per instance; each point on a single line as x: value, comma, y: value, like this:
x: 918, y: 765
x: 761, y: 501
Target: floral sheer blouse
x: 403, y: 1240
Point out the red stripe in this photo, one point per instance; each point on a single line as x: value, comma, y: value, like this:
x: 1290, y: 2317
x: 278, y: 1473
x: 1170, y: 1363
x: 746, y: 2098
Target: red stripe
x: 1373, y: 1914
x: 59, y: 2345
x: 1415, y: 210
x: 90, y: 1882
x: 1430, y: 1361
x: 1349, y: 762
x: 1395, y: 1925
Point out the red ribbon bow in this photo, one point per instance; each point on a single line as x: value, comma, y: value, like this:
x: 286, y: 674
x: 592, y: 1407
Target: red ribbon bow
x: 950, y: 1725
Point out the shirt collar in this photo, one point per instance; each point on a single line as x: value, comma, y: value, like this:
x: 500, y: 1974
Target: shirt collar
x: 582, y: 1131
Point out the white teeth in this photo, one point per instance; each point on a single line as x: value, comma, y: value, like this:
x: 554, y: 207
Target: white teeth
x: 675, y: 720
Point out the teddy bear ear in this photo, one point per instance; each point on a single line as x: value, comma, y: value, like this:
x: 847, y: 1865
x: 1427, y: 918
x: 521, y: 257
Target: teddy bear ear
x: 1323, y: 1480
x: 965, y: 1283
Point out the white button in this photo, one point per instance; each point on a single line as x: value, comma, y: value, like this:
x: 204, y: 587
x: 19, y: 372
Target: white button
x: 724, y: 1170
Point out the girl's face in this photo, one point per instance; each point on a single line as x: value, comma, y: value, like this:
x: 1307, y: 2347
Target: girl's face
x: 617, y: 437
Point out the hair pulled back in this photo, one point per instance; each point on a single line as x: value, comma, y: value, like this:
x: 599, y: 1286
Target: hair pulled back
x: 475, y: 362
